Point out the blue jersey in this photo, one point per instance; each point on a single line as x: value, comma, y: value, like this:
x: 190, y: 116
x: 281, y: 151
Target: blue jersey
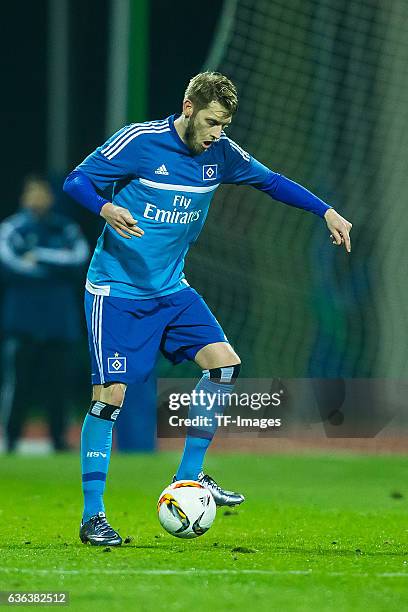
x: 168, y: 190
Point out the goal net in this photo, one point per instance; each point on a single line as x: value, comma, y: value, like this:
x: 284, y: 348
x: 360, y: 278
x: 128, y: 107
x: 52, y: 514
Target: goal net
x: 323, y: 88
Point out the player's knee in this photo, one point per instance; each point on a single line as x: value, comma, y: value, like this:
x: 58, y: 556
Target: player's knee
x: 225, y: 374
x: 112, y: 393
x: 216, y: 355
x: 230, y: 357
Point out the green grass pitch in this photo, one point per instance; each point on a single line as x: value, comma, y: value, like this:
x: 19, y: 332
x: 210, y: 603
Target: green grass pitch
x: 317, y: 532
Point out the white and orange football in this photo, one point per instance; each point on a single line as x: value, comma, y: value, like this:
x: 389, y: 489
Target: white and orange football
x: 186, y: 509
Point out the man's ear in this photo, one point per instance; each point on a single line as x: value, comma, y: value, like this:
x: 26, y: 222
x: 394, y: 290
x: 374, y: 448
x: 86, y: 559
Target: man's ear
x: 188, y: 108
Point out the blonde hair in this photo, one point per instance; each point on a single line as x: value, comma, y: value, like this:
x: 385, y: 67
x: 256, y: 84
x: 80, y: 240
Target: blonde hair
x: 207, y: 87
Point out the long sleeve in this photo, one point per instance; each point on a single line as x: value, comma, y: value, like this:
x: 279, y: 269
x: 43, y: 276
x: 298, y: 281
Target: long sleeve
x: 79, y: 187
x: 285, y: 190
x: 243, y: 169
x: 114, y: 161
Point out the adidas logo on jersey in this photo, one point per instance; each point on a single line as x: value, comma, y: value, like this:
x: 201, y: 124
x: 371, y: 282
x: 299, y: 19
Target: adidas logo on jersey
x: 161, y: 170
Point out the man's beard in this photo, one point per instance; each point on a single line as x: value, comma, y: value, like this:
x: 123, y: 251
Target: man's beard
x: 190, y: 137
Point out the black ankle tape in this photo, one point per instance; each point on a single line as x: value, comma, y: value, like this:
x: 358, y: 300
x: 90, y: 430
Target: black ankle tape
x: 104, y: 411
x: 226, y: 374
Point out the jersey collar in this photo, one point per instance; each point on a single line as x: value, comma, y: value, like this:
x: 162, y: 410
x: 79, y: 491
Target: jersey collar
x: 175, y: 135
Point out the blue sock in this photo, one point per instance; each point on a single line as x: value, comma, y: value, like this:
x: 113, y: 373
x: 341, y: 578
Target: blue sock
x: 96, y: 444
x: 199, y: 438
x: 193, y: 456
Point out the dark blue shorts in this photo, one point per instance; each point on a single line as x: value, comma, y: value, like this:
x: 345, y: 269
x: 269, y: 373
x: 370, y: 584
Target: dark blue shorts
x: 125, y: 336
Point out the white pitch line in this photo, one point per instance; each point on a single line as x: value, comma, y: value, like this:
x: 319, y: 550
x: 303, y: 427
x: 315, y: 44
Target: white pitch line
x: 192, y: 571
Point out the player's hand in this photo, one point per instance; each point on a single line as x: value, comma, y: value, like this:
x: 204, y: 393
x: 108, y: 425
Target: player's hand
x: 30, y: 258
x: 121, y: 220
x: 339, y: 229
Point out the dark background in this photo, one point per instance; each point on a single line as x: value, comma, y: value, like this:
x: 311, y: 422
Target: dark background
x: 178, y: 43
x: 323, y: 90
x: 177, y: 50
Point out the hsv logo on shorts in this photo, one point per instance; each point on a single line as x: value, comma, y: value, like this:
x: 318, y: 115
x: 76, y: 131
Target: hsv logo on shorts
x: 210, y: 172
x: 116, y: 364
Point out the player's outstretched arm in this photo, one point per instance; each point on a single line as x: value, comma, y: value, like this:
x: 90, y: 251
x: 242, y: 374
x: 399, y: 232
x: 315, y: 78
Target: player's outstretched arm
x: 339, y: 229
x: 121, y: 220
x: 243, y: 169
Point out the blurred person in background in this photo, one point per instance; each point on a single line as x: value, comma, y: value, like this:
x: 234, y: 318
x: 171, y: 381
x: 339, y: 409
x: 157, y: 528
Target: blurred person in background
x: 42, y: 257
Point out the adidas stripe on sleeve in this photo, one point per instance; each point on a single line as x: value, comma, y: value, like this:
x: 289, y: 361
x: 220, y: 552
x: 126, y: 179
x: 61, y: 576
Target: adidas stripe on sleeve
x: 240, y: 167
x: 124, y: 137
x: 118, y: 158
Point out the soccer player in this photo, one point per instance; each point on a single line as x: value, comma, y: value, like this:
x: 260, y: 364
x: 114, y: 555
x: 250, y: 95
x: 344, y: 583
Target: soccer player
x: 163, y: 176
